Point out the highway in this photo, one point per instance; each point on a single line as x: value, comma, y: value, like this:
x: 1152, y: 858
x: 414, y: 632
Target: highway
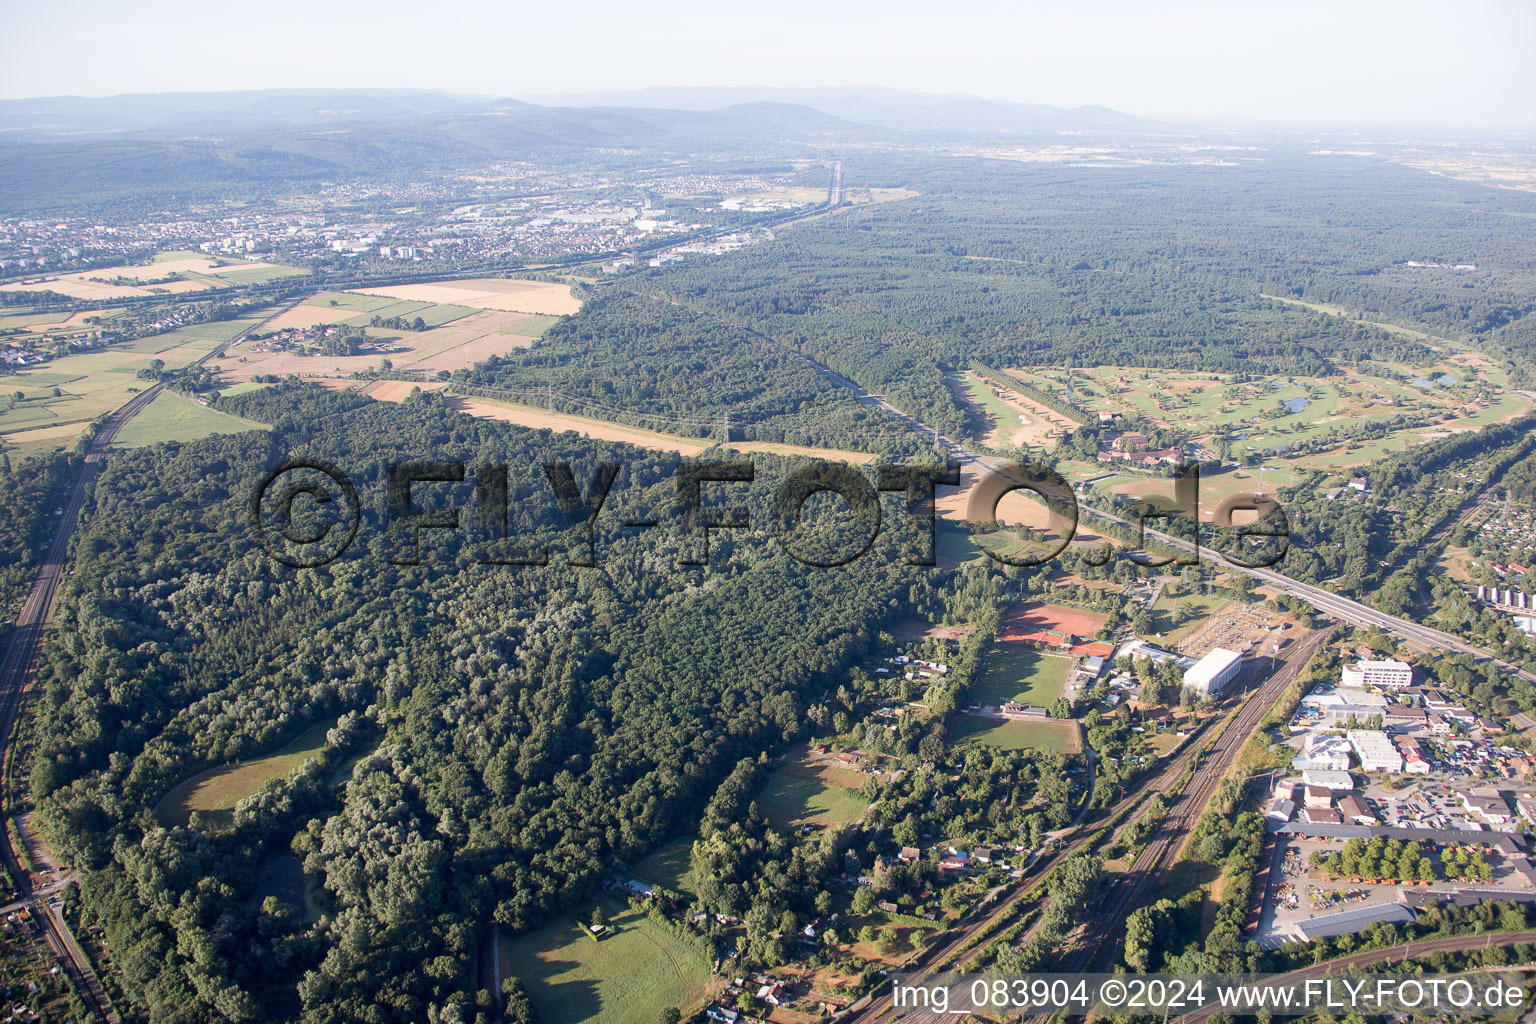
x: 1342, y: 608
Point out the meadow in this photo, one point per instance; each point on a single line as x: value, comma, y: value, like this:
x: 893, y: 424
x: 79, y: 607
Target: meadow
x: 627, y: 978
x: 216, y: 791
x: 1017, y: 733
x: 800, y: 793
x: 91, y: 384
x: 173, y: 417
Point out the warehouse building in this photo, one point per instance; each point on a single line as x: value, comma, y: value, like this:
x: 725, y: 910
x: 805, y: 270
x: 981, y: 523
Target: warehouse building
x: 1376, y: 752
x: 1212, y: 673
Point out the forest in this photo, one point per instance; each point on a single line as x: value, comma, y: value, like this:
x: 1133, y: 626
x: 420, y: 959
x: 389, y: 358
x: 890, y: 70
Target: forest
x: 503, y: 736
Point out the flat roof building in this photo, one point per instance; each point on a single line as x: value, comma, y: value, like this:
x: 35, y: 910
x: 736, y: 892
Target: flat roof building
x: 1376, y: 752
x: 1351, y: 921
x: 1324, y: 753
x: 1212, y: 673
x: 1386, y: 674
x: 1336, y: 782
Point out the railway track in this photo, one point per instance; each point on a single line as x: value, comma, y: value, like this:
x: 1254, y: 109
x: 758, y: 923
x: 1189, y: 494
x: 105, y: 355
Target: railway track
x: 21, y: 647
x: 1400, y: 953
x: 959, y: 945
x: 1146, y: 873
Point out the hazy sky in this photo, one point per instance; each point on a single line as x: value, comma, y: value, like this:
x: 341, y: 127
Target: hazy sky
x: 1389, y: 61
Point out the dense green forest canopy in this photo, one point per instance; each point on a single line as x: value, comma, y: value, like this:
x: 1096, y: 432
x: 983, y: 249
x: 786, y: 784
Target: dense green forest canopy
x: 1018, y: 264
x: 505, y: 736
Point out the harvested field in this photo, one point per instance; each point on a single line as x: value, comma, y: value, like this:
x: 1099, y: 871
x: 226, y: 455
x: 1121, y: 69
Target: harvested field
x: 489, y: 293
x: 306, y: 315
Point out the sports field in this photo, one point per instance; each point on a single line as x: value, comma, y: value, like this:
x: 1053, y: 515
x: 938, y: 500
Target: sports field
x: 626, y: 978
x: 173, y: 417
x: 1015, y: 671
x: 1269, y: 417
x: 1017, y: 734
x: 1030, y: 617
x: 1015, y: 420
x: 216, y: 791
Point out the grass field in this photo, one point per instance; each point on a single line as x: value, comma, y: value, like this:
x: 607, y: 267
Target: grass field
x: 669, y: 865
x: 91, y: 384
x: 171, y: 417
x: 801, y: 794
x: 1196, y: 609
x: 1015, y: 672
x: 625, y: 979
x: 1017, y: 734
x: 216, y: 791
x: 1253, y: 416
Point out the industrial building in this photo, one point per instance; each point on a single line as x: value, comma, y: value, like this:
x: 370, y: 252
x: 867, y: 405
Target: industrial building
x: 1212, y: 673
x: 1375, y: 750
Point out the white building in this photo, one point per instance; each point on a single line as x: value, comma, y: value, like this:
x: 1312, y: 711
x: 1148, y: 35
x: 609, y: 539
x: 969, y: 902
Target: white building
x: 1334, y: 782
x: 1213, y: 672
x: 1375, y: 750
x: 1385, y: 674
x: 1337, y: 705
x: 1324, y: 753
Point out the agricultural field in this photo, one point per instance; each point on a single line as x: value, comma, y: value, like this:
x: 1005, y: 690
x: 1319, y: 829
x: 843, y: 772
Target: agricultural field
x: 1018, y: 733
x: 173, y: 417
x: 1014, y: 671
x: 457, y: 337
x: 547, y: 297
x: 176, y: 273
x: 625, y: 979
x: 804, y: 791
x: 91, y: 384
x: 216, y: 791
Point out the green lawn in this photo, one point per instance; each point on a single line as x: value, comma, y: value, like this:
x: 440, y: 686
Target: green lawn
x: 626, y: 978
x: 256, y: 275
x: 790, y: 799
x: 216, y: 791
x: 669, y: 866
x: 1002, y: 415
x: 171, y: 417
x: 1017, y: 734
x: 1014, y: 672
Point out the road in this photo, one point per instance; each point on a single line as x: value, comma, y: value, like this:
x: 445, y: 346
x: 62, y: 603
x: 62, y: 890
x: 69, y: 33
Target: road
x: 1100, y: 945
x: 1342, y: 608
x: 954, y: 946
x: 16, y: 669
x: 21, y: 648
x: 1402, y: 952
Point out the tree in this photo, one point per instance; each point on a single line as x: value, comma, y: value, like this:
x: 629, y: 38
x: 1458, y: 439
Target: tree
x: 670, y: 1015
x: 598, y: 920
x: 863, y: 900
